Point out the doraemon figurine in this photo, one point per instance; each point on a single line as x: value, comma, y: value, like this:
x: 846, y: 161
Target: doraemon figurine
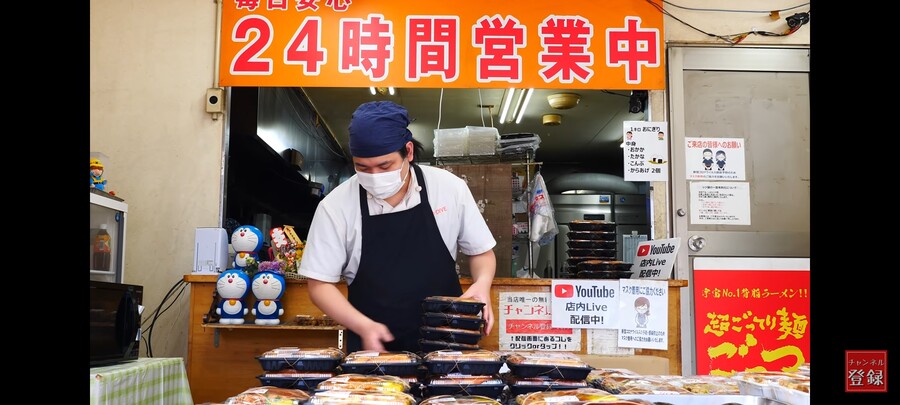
x: 232, y: 287
x: 268, y: 287
x: 246, y: 240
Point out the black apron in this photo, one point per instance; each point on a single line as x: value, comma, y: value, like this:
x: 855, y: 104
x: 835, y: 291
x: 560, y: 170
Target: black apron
x: 403, y: 260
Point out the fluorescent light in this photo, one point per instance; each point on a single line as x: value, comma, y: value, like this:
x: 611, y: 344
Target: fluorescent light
x: 505, y: 108
x: 518, y: 105
x: 391, y: 90
x: 524, y: 105
x: 372, y: 90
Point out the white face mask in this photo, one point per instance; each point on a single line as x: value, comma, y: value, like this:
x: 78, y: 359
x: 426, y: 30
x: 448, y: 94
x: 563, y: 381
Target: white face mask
x: 382, y: 185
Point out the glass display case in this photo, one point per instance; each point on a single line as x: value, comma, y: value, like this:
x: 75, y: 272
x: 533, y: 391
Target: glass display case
x: 107, y: 257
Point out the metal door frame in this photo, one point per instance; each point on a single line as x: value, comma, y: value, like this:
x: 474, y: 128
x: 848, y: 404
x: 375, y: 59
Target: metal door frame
x: 685, y: 58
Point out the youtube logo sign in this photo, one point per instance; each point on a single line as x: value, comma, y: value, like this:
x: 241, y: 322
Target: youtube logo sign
x: 564, y: 291
x: 643, y: 250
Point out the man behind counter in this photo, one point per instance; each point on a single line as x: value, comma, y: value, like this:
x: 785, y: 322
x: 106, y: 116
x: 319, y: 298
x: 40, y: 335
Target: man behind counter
x: 393, y: 230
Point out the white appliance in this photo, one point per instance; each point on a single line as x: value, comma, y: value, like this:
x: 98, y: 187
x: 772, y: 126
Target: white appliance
x: 210, y: 250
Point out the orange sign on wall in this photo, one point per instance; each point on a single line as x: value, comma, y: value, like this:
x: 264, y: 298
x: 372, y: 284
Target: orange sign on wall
x: 613, y: 44
x: 751, y: 314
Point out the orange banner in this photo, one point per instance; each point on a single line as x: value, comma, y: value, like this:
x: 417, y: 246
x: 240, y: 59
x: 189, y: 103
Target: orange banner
x: 612, y: 44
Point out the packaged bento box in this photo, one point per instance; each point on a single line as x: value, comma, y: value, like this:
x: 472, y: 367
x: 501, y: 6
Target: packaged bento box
x: 558, y: 365
x: 363, y: 382
x: 267, y: 395
x: 373, y: 362
x: 563, y: 396
x: 454, y: 305
x: 318, y: 359
x: 462, y: 384
x: 448, y: 334
x: 290, y: 378
x: 459, y: 400
x: 342, y: 397
x: 461, y: 321
x: 523, y: 385
x: 473, y: 362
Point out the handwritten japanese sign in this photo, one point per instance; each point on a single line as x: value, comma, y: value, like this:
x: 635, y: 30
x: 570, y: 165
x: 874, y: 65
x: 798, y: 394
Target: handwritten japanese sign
x: 585, y: 303
x: 434, y: 43
x: 525, y: 324
x: 865, y: 371
x: 723, y: 203
x: 714, y: 158
x: 646, y: 149
x: 751, y: 314
x: 644, y: 314
x: 655, y: 258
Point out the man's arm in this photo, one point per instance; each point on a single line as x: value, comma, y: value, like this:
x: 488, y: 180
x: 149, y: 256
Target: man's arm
x: 483, y: 267
x: 332, y: 302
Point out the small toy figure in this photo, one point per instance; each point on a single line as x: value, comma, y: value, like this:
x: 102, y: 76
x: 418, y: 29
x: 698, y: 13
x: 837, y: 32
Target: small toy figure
x: 246, y: 240
x: 268, y: 287
x: 232, y: 288
x: 97, y: 180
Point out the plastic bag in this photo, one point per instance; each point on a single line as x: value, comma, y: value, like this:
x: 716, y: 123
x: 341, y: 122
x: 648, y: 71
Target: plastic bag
x: 543, y: 224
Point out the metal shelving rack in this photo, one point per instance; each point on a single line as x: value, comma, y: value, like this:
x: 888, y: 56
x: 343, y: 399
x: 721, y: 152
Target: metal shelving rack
x: 526, y: 159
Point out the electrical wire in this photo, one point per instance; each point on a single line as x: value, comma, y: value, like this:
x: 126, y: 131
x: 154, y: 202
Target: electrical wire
x: 480, y: 106
x: 732, y: 39
x: 147, y: 335
x: 735, y: 11
x: 440, y: 107
x: 615, y: 94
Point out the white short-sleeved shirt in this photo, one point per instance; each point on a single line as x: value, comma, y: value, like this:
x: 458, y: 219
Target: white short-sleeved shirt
x: 334, y: 244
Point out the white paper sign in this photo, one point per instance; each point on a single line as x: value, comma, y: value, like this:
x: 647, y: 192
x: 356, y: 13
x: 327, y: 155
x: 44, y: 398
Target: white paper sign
x: 722, y: 203
x: 644, y: 314
x: 525, y: 324
x: 654, y: 258
x: 584, y: 303
x: 714, y: 159
x: 646, y: 151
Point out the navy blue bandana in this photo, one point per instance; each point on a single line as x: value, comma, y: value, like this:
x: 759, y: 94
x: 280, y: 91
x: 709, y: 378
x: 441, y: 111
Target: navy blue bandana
x: 378, y: 128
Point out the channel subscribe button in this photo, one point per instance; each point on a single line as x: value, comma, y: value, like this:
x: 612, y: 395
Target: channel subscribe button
x: 564, y: 291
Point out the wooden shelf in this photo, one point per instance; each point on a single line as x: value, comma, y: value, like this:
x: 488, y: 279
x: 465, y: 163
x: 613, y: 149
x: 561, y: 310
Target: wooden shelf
x: 286, y: 325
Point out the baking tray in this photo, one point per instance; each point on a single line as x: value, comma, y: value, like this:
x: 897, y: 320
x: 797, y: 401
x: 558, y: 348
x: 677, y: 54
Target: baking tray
x: 603, y: 265
x: 604, y: 275
x: 592, y: 225
x: 451, y: 335
x: 453, y: 305
x: 599, y: 235
x: 597, y: 254
x: 469, y: 322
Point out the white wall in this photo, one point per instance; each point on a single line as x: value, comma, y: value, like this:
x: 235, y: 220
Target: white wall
x: 151, y: 63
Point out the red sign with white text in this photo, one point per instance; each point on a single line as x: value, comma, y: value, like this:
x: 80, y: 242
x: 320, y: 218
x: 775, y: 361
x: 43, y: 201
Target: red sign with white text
x: 751, y: 314
x: 865, y: 371
x: 613, y: 44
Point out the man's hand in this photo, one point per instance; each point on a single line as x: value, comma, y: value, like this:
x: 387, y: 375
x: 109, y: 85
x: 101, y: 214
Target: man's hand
x: 479, y: 293
x: 374, y: 335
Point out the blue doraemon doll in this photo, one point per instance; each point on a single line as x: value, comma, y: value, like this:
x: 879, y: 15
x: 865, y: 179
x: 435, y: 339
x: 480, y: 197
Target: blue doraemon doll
x: 246, y: 240
x: 232, y: 286
x: 267, y: 287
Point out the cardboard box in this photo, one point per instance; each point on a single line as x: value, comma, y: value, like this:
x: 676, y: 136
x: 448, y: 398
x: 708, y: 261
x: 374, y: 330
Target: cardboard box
x: 641, y: 364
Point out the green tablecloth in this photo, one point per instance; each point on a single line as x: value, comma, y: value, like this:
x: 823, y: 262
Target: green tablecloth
x: 142, y: 381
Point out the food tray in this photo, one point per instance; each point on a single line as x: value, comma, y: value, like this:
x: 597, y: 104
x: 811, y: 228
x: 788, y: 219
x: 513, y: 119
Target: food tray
x: 381, y: 363
x: 590, y: 235
x: 555, y: 365
x: 576, y: 396
x: 592, y: 244
x: 604, y: 274
x: 362, y: 382
x: 791, y: 396
x: 269, y: 395
x: 591, y: 225
x: 454, y: 305
x: 293, y: 379
x: 459, y: 384
x: 702, y: 399
x: 519, y: 386
x: 294, y: 358
x: 597, y: 254
x: 468, y: 322
x: 473, y: 362
x: 451, y: 335
x: 459, y: 400
x: 603, y: 265
x: 338, y: 397
x: 432, y: 345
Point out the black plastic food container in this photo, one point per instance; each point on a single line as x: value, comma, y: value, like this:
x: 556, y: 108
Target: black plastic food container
x: 454, y: 305
x: 469, y: 322
x: 445, y: 334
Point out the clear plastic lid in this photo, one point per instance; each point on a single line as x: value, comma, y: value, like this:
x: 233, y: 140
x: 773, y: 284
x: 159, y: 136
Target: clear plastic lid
x: 467, y: 355
x: 373, y: 357
x: 298, y: 353
x: 459, y: 400
x: 565, y: 359
x: 464, y: 379
x: 340, y: 397
x: 360, y: 382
